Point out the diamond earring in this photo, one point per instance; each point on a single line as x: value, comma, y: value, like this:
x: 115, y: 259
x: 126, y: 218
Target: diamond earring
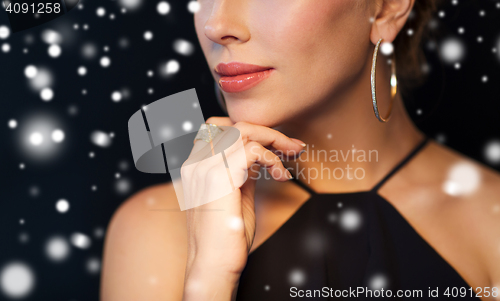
x: 394, y: 84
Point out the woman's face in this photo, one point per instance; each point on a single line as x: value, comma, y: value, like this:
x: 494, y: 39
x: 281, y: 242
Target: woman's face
x: 317, y: 48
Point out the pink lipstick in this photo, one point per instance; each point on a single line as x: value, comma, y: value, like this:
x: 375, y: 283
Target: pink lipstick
x: 238, y: 77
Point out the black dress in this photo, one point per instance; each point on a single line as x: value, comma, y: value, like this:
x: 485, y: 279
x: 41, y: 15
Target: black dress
x: 338, y: 244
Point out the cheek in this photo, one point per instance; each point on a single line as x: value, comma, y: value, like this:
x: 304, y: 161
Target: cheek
x: 317, y: 43
x: 303, y: 25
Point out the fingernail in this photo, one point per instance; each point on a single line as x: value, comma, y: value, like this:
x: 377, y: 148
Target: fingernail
x: 289, y: 175
x: 299, y: 142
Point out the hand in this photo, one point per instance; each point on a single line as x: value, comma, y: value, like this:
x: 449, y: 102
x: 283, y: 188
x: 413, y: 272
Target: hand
x: 221, y: 232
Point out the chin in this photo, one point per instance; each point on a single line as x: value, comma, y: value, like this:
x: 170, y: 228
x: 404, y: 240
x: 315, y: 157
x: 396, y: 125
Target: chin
x: 258, y: 117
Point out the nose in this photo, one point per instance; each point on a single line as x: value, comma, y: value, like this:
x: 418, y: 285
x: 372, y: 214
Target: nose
x: 226, y: 22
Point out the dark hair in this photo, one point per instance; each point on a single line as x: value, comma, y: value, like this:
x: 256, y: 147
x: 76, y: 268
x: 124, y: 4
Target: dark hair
x: 410, y: 57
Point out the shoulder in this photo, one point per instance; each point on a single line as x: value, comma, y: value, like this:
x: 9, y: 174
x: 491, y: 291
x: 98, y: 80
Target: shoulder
x: 447, y: 174
x: 145, y: 247
x: 142, y: 205
x: 463, y: 177
x: 146, y: 213
x: 471, y: 191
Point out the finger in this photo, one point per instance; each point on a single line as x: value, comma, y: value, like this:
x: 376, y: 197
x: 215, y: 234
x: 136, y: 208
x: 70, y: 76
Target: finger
x: 221, y: 121
x: 273, y: 144
x: 282, y: 154
x: 254, y: 152
x: 300, y: 142
x: 269, y: 137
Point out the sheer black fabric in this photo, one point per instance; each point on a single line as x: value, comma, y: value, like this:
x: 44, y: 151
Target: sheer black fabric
x: 348, y: 242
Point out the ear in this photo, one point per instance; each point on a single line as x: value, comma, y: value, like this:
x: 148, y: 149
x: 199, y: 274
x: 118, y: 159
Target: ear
x: 389, y: 17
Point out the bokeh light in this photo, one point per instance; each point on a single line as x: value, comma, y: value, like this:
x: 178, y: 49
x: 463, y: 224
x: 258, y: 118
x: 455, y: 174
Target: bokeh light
x: 498, y: 47
x: 54, y: 50
x: 42, y: 79
x: 4, y: 32
x: 80, y: 240
x: 17, y: 280
x: 5, y: 47
x: 377, y: 282
x: 57, y: 249
x: 57, y: 136
x: 183, y: 47
x: 30, y: 71
x: 187, y: 126
x: 193, y: 6
x: 463, y: 178
x: 50, y: 37
x: 89, y: 50
x: 148, y: 35
x: 62, y: 206
x: 12, y: 123
x: 36, y: 138
x: 172, y: 67
x: 386, y: 48
x: 82, y: 71
x: 350, y: 220
x: 24, y: 237
x: 40, y: 137
x: 46, y: 94
x: 101, y: 12
x: 123, y: 186
x: 492, y: 152
x: 105, y: 61
x: 99, y: 232
x: 297, y: 277
x: 452, y: 50
x: 100, y: 138
x: 116, y: 96
x: 163, y: 7
x: 131, y: 5
x: 93, y: 265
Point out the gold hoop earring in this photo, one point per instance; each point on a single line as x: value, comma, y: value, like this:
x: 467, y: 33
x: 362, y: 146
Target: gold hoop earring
x: 394, y: 84
x: 220, y: 97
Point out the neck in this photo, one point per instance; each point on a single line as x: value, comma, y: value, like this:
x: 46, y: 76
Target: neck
x: 346, y: 123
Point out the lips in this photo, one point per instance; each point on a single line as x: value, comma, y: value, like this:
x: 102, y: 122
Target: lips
x: 238, y: 77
